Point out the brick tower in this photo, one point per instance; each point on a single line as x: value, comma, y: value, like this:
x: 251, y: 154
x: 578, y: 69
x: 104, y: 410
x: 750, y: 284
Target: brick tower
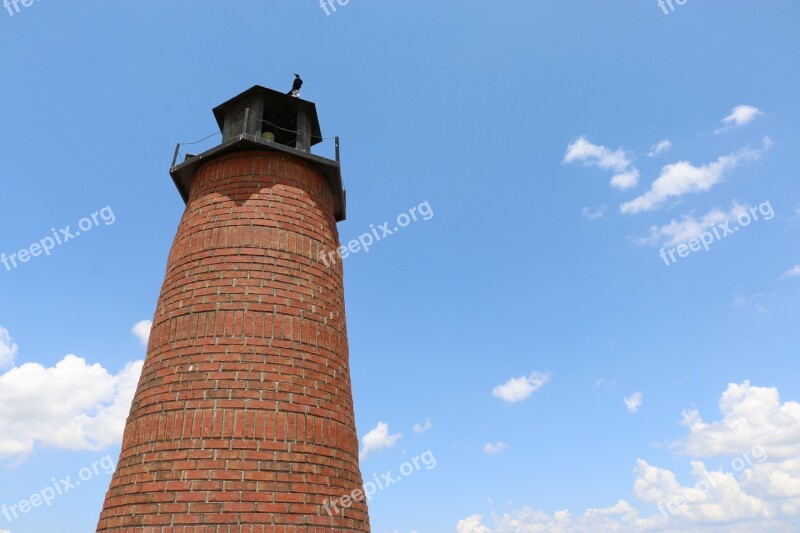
x: 243, y: 418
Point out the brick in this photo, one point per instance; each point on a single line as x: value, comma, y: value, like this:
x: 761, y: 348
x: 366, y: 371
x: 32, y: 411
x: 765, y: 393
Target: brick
x: 243, y: 418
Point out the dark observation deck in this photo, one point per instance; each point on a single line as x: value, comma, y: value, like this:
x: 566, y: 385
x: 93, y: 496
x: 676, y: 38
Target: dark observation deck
x: 266, y: 120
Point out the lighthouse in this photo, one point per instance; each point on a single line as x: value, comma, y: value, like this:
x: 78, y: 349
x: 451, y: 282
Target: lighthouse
x: 243, y: 419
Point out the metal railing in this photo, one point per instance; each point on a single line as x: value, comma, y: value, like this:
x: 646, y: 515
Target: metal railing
x: 177, y: 155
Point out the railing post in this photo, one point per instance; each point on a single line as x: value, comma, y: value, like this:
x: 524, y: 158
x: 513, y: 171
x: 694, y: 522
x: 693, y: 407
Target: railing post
x: 337, y: 148
x: 175, y: 156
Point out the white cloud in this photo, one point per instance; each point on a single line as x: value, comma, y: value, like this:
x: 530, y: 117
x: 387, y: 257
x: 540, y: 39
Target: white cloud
x: 740, y: 115
x: 660, y: 148
x: 8, y: 350
x: 791, y: 273
x: 626, y: 180
x: 634, y: 402
x: 595, y: 214
x: 758, y: 301
x: 581, y: 150
x: 518, y: 389
x: 603, y: 383
x: 142, y: 330
x: 715, y: 499
x: 495, y: 448
x: 71, y: 406
x: 678, y: 179
x: 423, y: 427
x: 619, y: 517
x: 757, y: 441
x: 689, y: 227
x: 472, y: 525
x: 749, y: 415
x: 378, y: 439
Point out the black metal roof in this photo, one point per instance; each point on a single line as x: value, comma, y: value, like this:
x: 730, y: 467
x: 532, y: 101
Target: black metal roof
x: 276, y: 100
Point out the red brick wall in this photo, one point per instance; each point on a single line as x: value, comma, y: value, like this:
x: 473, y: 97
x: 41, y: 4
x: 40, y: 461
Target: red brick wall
x: 243, y: 418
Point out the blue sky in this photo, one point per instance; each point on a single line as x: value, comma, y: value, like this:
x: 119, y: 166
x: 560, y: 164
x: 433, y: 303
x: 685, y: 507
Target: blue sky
x: 572, y: 380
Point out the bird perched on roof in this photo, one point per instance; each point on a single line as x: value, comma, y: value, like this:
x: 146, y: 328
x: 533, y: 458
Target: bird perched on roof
x: 296, y: 86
